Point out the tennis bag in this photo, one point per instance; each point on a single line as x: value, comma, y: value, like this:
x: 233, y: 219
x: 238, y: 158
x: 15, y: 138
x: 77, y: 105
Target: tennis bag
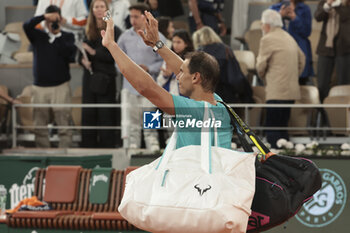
x: 197, y: 188
x: 283, y: 183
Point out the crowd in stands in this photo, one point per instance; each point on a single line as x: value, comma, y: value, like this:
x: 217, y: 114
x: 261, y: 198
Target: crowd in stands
x: 284, y: 61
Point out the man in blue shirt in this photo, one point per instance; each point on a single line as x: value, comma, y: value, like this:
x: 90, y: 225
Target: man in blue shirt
x: 53, y: 50
x: 197, y: 75
x: 132, y: 102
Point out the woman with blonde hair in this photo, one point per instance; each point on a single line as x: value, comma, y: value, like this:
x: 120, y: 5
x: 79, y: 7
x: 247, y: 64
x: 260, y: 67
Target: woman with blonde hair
x: 205, y: 36
x: 233, y: 87
x: 99, y: 80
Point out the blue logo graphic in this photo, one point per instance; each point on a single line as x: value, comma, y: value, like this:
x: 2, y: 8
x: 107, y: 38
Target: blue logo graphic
x: 151, y: 120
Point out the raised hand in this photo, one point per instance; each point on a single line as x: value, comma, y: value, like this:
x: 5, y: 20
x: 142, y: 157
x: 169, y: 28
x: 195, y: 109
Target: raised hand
x: 284, y: 11
x: 108, y: 34
x: 150, y: 35
x: 52, y: 17
x: 291, y: 13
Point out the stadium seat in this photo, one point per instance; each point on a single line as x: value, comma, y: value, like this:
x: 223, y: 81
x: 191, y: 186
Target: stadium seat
x: 67, y: 190
x: 247, y: 57
x: 255, y: 25
x: 244, y: 68
x: 22, y: 55
x: 304, y: 117
x: 338, y: 117
x: 252, y: 40
x: 25, y: 114
x: 340, y: 90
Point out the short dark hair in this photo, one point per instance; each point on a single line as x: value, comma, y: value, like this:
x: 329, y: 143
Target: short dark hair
x: 142, y: 7
x: 53, y: 9
x: 207, y: 66
x: 186, y: 37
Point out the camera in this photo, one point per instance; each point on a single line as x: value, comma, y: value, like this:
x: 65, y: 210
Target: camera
x: 55, y: 25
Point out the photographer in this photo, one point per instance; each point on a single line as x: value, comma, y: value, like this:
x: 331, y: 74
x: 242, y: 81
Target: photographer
x: 53, y: 51
x: 73, y: 14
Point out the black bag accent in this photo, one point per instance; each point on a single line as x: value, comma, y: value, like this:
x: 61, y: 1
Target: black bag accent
x: 99, y: 82
x: 236, y: 79
x: 283, y: 183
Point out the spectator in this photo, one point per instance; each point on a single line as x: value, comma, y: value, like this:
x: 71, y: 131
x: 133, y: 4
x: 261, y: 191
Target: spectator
x: 99, y: 88
x: 166, y: 27
x: 280, y: 63
x: 197, y: 76
x: 233, y: 87
x: 334, y: 45
x: 207, y: 12
x: 74, y: 14
x: 182, y: 44
x: 120, y: 13
x: 132, y: 102
x: 53, y: 51
x: 168, y: 8
x: 153, y: 6
x: 297, y: 21
x: 171, y: 8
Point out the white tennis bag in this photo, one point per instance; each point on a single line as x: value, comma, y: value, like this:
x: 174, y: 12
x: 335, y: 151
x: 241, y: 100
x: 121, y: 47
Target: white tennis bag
x: 192, y: 189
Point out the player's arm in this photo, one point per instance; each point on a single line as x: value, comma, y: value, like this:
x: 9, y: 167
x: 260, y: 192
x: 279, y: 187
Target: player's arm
x: 151, y: 35
x: 136, y: 76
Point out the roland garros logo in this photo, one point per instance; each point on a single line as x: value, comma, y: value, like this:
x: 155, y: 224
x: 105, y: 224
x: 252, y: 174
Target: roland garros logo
x: 328, y: 203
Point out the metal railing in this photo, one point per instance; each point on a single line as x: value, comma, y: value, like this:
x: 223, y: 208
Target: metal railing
x: 246, y: 108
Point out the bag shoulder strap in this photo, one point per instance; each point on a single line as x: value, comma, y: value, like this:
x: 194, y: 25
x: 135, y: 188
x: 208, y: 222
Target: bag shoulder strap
x: 241, y: 129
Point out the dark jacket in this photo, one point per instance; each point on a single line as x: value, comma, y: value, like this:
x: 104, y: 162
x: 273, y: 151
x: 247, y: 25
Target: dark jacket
x: 342, y: 39
x: 51, y: 60
x: 232, y: 87
x: 102, y: 61
x: 300, y: 30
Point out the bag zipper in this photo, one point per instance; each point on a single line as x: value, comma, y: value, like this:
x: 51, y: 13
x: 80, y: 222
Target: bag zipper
x: 270, y: 182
